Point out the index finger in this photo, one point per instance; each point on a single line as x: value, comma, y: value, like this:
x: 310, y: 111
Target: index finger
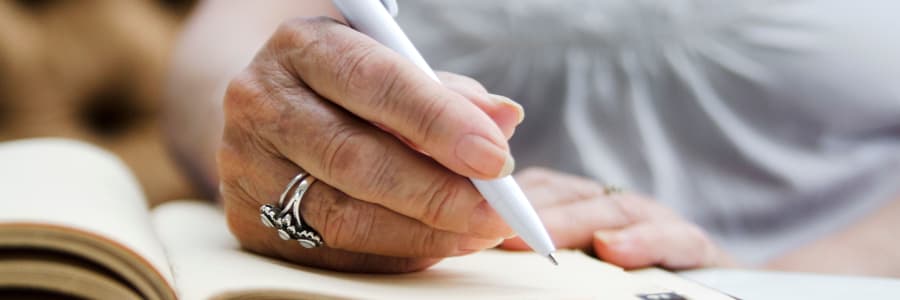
x: 381, y: 86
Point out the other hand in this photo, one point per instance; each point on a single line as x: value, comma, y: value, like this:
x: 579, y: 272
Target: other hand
x: 622, y: 228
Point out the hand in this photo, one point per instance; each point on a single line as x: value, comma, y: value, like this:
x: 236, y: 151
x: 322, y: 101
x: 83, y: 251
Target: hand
x: 310, y: 101
x: 624, y: 229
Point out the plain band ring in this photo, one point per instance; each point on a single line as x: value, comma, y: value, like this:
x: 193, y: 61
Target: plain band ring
x: 286, y: 218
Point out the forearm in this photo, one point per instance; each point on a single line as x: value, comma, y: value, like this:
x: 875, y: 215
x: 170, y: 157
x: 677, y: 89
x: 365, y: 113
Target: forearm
x: 220, y: 38
x: 866, y: 248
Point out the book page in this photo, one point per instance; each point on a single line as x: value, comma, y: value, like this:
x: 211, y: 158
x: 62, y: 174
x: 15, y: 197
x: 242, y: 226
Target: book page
x: 681, y: 285
x: 73, y: 197
x: 208, y: 263
x: 44, y: 271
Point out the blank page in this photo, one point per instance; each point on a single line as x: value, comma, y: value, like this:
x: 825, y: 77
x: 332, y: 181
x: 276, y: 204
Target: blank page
x: 209, y: 264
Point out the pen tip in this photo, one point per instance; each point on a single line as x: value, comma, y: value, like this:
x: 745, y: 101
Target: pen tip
x: 553, y: 259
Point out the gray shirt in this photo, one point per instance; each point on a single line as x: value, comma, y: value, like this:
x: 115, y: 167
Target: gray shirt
x: 768, y: 123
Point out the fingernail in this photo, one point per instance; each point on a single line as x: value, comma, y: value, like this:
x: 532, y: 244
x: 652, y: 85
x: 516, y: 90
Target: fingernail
x: 485, y: 157
x: 504, y: 101
x: 508, y: 166
x: 469, y: 244
x: 606, y: 237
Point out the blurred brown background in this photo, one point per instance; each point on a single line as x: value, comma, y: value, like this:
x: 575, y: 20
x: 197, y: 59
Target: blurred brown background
x: 92, y: 70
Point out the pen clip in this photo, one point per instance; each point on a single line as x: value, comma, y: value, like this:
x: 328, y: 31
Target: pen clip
x: 391, y: 6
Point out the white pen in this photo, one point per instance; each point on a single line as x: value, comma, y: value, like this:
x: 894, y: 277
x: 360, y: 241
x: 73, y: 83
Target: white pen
x: 374, y: 18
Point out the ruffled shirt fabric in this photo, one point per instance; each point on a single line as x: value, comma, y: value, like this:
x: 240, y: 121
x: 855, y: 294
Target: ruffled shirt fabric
x: 768, y: 123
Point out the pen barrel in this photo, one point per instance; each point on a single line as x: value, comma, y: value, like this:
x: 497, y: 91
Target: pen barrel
x: 507, y: 198
x: 371, y: 18
x: 504, y: 195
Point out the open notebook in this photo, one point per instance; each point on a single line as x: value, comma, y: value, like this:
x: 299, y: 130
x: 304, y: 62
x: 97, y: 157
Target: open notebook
x: 74, y: 222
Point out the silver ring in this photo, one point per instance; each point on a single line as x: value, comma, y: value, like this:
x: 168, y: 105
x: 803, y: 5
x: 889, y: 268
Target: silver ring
x: 286, y: 218
x: 610, y: 190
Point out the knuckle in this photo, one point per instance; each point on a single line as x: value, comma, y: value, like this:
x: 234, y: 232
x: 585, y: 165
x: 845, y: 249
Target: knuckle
x: 248, y: 100
x: 332, y: 213
x: 428, y: 118
x: 288, y: 29
x: 347, y: 156
x: 429, y: 243
x: 282, y: 125
x: 632, y: 211
x: 242, y: 92
x: 248, y: 113
x: 298, y: 32
x: 345, y: 224
x: 438, y: 203
x: 306, y: 39
x: 381, y: 176
x: 343, y: 151
x: 360, y: 67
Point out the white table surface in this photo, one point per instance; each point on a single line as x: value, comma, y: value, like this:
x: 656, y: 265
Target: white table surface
x: 780, y: 285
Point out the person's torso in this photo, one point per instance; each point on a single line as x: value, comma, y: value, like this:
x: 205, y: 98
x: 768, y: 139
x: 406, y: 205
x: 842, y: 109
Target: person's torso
x: 769, y: 123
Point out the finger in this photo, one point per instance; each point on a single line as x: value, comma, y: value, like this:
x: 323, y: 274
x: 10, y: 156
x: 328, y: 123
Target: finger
x: 358, y: 226
x: 344, y: 223
x: 670, y: 244
x: 354, y: 157
x: 460, y: 81
x: 573, y: 225
x: 245, y: 227
x: 381, y: 86
x: 547, y: 188
x: 507, y: 114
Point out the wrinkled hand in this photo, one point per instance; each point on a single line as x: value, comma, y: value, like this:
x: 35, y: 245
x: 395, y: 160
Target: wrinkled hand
x: 323, y: 98
x: 624, y: 229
